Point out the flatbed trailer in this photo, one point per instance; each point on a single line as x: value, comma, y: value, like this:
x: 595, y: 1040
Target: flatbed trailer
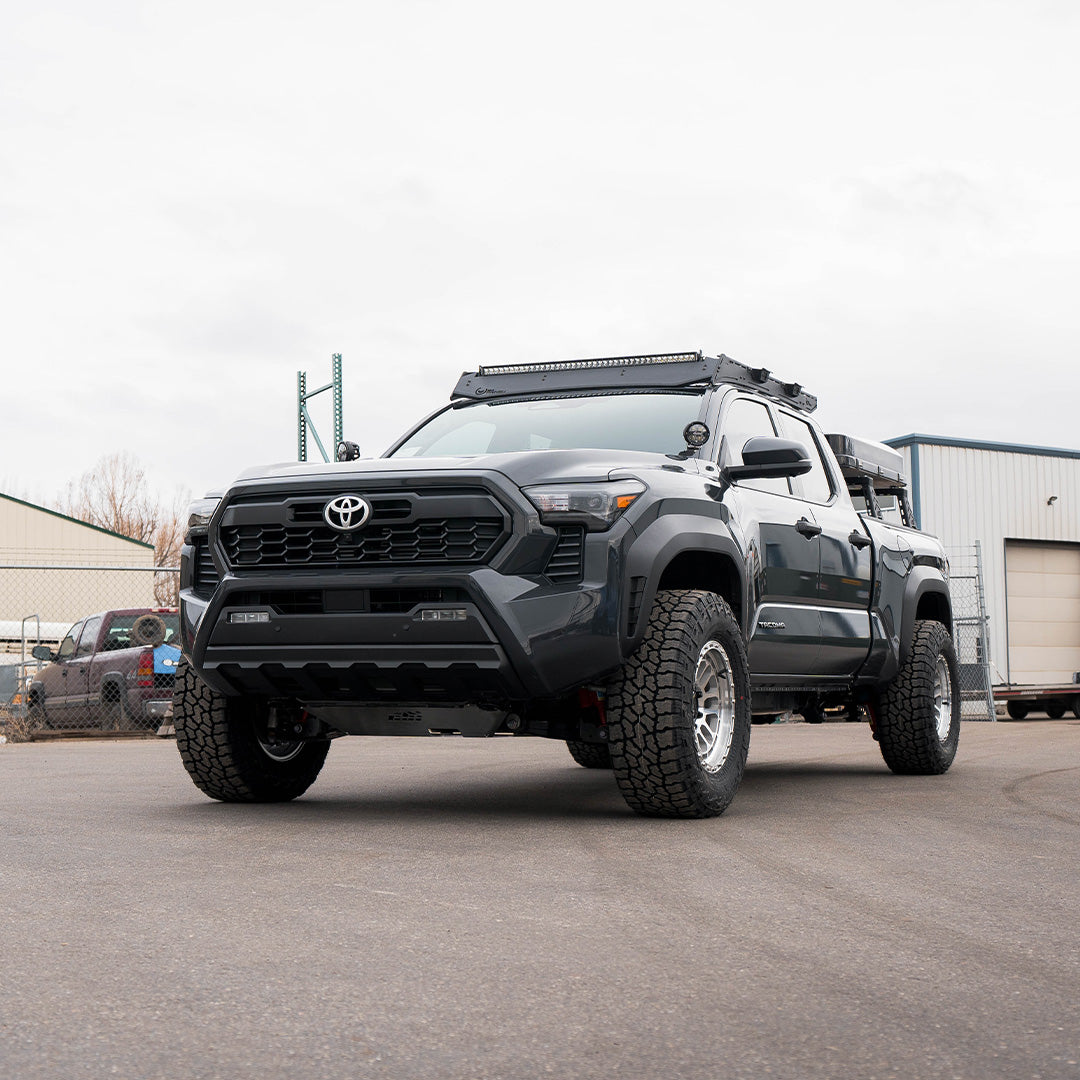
x: 1052, y: 698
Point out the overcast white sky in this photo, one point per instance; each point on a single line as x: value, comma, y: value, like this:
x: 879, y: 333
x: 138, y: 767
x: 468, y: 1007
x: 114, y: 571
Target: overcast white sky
x: 880, y: 200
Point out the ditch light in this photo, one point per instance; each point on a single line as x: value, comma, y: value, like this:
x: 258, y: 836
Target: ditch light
x: 245, y: 617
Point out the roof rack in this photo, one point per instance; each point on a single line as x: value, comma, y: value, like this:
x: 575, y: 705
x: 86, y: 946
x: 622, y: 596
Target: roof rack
x: 659, y: 371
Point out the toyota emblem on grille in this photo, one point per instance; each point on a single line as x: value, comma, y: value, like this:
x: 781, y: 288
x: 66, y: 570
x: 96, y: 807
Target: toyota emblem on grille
x: 346, y: 513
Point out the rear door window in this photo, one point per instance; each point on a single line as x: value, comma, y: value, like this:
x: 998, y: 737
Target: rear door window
x: 815, y: 485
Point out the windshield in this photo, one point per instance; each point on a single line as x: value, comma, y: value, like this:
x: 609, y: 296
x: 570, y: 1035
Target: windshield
x: 650, y: 422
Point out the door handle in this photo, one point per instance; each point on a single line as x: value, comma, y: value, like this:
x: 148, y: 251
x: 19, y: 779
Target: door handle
x: 858, y: 539
x: 808, y: 528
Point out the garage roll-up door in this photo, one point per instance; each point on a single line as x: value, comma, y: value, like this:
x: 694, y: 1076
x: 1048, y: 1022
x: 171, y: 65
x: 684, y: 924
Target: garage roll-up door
x: 1042, y: 591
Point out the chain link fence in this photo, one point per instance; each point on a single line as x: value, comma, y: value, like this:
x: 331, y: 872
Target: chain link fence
x: 86, y: 648
x: 970, y: 632
x: 110, y: 672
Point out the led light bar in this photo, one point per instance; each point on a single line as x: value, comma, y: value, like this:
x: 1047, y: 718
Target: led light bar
x: 580, y: 365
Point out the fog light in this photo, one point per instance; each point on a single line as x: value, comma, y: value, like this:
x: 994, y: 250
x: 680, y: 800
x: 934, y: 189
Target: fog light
x: 249, y: 616
x: 457, y: 614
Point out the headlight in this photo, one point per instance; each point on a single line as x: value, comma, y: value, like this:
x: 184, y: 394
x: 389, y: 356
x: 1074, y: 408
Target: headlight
x: 199, y: 514
x: 596, y: 506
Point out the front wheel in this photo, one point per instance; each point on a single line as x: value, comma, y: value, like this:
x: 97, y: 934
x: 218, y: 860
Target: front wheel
x: 36, y: 717
x: 918, y: 723
x: 1017, y: 709
x: 223, y: 750
x: 679, y: 710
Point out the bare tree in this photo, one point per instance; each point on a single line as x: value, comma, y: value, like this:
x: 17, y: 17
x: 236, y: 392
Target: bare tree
x: 114, y: 495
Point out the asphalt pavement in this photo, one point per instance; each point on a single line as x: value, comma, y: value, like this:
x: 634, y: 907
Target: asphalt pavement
x: 488, y: 909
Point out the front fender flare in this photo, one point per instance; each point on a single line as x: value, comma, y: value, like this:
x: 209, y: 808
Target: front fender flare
x: 666, y: 538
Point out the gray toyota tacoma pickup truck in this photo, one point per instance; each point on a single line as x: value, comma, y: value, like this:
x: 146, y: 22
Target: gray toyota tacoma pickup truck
x: 640, y: 556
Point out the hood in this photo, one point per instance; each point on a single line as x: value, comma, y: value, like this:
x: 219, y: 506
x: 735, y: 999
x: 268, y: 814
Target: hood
x: 523, y: 468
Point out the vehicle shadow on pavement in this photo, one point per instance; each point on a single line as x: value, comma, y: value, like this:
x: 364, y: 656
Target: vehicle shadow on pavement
x: 552, y: 794
x: 810, y: 770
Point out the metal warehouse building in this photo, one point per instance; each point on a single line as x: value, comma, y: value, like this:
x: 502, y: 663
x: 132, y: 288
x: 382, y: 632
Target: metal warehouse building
x: 1022, y: 505
x: 57, y: 569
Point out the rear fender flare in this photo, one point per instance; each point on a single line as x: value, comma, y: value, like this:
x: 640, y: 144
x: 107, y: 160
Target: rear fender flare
x: 922, y: 581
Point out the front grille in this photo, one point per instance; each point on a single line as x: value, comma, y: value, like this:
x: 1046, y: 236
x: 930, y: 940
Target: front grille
x: 268, y: 530
x: 565, y: 562
x: 451, y: 540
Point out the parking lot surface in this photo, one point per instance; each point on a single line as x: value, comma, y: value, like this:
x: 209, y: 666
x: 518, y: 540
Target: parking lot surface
x: 486, y: 909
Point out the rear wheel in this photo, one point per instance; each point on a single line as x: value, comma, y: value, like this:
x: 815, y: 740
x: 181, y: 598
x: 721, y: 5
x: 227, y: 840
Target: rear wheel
x: 1055, y: 709
x: 589, y: 755
x: 226, y: 755
x: 679, y: 711
x: 918, y: 724
x: 113, y: 712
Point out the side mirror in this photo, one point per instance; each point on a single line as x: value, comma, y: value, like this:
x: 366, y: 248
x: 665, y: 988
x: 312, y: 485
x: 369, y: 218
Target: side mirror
x: 766, y: 458
x: 41, y: 652
x: 347, y: 451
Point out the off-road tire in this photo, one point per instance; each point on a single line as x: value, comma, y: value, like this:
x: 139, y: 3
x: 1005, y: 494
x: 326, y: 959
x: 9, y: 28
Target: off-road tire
x: 907, y: 721
x: 590, y: 755
x: 652, y: 709
x: 217, y: 739
x: 1018, y: 709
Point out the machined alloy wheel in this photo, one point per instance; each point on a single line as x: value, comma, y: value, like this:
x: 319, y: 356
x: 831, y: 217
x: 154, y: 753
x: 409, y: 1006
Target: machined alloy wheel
x: 943, y: 695
x: 714, y: 725
x: 280, y: 750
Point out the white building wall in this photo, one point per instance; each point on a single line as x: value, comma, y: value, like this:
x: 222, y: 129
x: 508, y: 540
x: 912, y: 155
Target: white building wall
x: 991, y: 495
x: 33, y: 536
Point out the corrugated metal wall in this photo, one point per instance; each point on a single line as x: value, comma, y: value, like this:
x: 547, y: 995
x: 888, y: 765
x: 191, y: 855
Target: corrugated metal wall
x: 968, y: 494
x: 33, y: 536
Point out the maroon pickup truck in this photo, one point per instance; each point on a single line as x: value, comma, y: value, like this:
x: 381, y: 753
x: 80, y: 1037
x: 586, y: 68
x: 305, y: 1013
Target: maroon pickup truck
x: 114, y: 670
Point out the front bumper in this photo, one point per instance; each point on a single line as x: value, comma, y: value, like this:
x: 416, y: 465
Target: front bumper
x: 521, y: 636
